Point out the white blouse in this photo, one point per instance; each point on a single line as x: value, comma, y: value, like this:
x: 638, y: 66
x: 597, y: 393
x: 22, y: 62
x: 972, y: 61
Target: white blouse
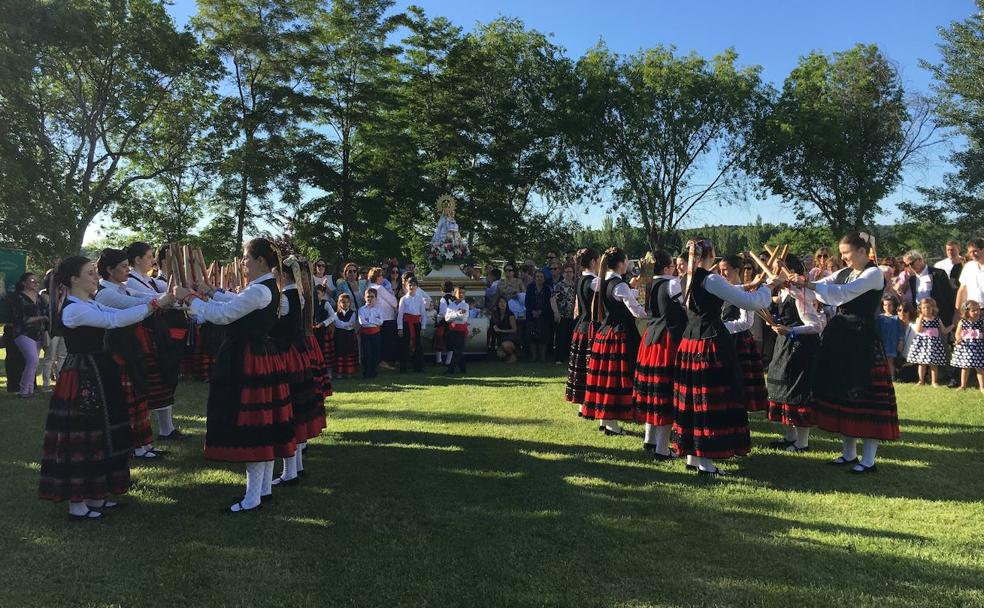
x: 370, y: 316
x: 115, y: 295
x: 626, y: 295
x: 141, y: 283
x: 79, y: 313
x: 456, y: 312
x: 834, y: 294
x: 225, y: 311
x: 749, y: 300
x: 350, y: 324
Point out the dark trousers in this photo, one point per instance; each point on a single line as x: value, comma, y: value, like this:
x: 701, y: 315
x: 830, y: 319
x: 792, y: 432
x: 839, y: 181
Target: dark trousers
x: 371, y: 352
x: 413, y: 353
x: 391, y: 342
x: 456, y: 345
x: 563, y: 331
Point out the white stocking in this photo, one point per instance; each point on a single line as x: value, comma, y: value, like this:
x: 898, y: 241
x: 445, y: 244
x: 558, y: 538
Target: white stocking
x: 850, y: 449
x: 267, y: 478
x: 802, y: 437
x: 165, y: 422
x: 650, y: 434
x: 868, y: 449
x: 663, y: 440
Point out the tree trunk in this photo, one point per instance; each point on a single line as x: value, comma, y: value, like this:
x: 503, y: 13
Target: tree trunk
x: 345, y: 204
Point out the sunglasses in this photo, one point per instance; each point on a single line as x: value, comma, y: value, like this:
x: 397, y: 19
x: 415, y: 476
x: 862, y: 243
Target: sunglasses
x: 822, y: 255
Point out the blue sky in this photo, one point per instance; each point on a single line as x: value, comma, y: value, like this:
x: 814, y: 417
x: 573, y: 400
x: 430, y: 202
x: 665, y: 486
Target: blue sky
x: 770, y: 33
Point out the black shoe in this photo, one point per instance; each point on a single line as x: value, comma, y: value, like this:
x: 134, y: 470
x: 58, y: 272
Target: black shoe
x: 780, y: 444
x: 91, y: 514
x: 266, y: 499
x: 649, y: 447
x: 242, y: 510
x: 795, y: 450
x: 602, y: 429
x: 280, y: 481
x: 174, y: 435
x: 609, y: 432
x: 715, y: 473
x: 301, y: 473
x: 841, y: 461
x: 664, y: 457
x: 692, y: 467
x: 862, y: 470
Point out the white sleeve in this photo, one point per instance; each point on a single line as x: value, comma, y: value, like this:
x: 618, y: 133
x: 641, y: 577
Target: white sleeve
x: 331, y: 318
x: 423, y: 314
x: 834, y: 294
x: 78, y: 314
x: 624, y: 293
x: 674, y: 289
x: 363, y: 316
x: 595, y: 284
x: 749, y: 300
x: 812, y: 323
x: 399, y: 313
x: 386, y: 295
x: 284, y: 305
x: 223, y: 296
x: 744, y: 322
x: 254, y: 297
x: 340, y: 324
x: 112, y: 298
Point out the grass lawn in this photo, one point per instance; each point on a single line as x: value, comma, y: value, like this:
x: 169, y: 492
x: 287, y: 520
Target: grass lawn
x: 486, y: 490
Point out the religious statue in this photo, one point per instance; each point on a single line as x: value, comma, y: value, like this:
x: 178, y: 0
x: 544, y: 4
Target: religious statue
x: 447, y: 243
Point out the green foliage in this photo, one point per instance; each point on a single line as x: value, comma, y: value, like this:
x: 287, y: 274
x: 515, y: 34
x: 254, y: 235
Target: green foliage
x: 959, y: 99
x: 651, y: 125
x: 838, y: 138
x: 89, y: 78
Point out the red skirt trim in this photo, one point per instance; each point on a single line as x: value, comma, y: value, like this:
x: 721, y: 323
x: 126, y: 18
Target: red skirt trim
x: 709, y: 422
x: 653, y: 386
x: 871, y: 414
x: 608, y: 385
x: 752, y: 372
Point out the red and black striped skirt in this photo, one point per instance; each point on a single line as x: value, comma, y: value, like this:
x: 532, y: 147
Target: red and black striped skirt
x: 652, y: 389
x: 577, y: 365
x: 304, y: 397
x: 346, y: 353
x: 196, y: 364
x: 790, y: 414
x: 87, y: 439
x: 320, y: 364
x: 327, y: 341
x: 608, y: 384
x: 250, y: 417
x: 710, y: 419
x: 871, y: 413
x: 159, y: 393
x: 136, y: 406
x: 750, y: 360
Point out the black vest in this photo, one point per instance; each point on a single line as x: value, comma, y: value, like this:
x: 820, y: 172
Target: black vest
x: 616, y: 312
x: 289, y: 329
x: 667, y: 313
x: 788, y: 314
x: 82, y: 340
x: 703, y: 310
x: 259, y: 323
x: 584, y: 295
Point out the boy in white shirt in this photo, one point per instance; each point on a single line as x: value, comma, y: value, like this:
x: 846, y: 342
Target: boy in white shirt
x: 370, y: 321
x: 456, y: 316
x: 410, y: 322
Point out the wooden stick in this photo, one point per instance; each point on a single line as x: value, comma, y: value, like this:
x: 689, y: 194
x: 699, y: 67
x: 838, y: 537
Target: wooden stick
x: 762, y: 265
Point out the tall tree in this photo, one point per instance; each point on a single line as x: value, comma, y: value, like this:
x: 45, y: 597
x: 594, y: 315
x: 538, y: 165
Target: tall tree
x: 351, y: 66
x: 663, y: 132
x: 259, y: 42
x: 104, y: 70
x: 959, y: 101
x: 839, y: 137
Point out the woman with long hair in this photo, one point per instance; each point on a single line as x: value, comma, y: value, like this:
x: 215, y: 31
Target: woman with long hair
x: 710, y: 408
x: 28, y: 326
x: 114, y: 269
x: 653, y: 384
x: 505, y: 331
x: 738, y: 322
x: 611, y: 365
x: 790, y: 378
x: 854, y: 395
x: 87, y: 438
x: 249, y: 415
x: 161, y: 356
x: 584, y: 329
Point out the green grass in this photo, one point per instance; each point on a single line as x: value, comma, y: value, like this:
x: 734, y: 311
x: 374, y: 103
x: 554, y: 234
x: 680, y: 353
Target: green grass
x: 486, y: 490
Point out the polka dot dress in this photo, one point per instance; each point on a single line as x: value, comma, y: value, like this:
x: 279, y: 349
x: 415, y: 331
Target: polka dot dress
x: 927, y: 348
x: 969, y: 351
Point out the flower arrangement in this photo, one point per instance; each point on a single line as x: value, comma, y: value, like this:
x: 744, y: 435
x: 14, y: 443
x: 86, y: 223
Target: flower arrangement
x: 447, y: 250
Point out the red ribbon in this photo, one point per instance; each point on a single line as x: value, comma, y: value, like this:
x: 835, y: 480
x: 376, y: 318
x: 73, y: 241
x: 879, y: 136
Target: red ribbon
x: 462, y: 327
x: 410, y: 323
x: 369, y: 331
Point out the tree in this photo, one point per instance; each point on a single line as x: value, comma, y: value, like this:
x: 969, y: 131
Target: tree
x: 350, y: 65
x: 959, y: 98
x: 258, y: 41
x: 839, y: 136
x: 103, y: 71
x: 652, y: 125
